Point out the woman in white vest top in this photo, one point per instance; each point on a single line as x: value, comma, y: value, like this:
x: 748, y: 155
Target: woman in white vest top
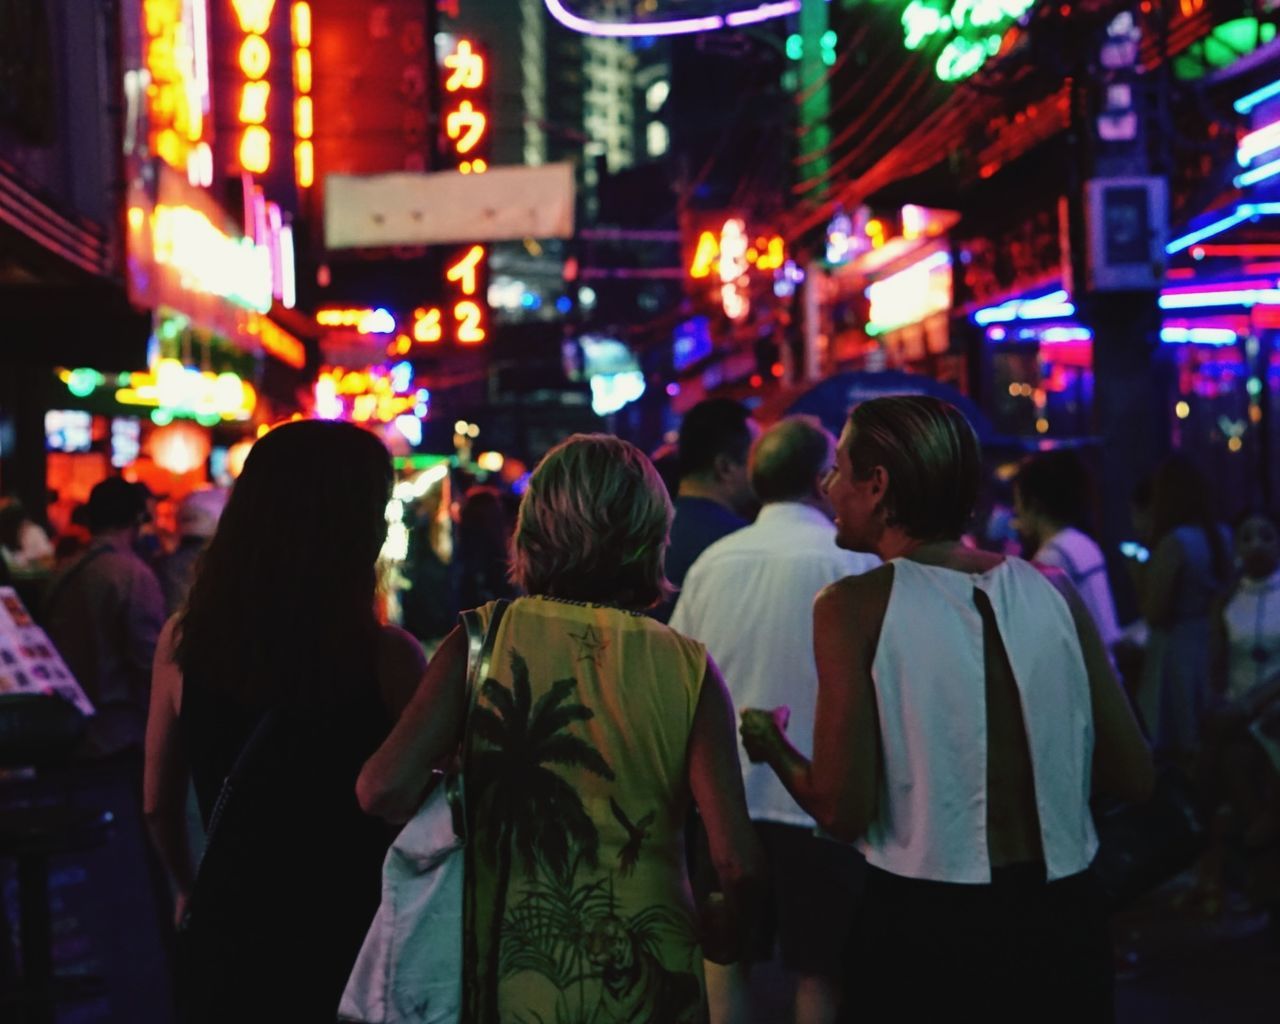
x: 966, y: 712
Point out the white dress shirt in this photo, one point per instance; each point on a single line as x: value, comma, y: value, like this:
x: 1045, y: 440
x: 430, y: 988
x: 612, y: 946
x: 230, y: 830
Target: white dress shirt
x: 749, y: 598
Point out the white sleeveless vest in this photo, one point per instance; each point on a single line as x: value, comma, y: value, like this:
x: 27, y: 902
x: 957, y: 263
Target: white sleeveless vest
x: 930, y: 687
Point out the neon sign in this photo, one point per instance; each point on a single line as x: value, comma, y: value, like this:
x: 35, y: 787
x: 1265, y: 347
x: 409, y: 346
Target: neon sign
x: 304, y: 159
x: 748, y: 15
x: 172, y: 390
x: 765, y: 253
x: 364, y: 320
x: 466, y: 125
x: 728, y: 256
x: 910, y: 295
x: 254, y: 58
x: 974, y: 30
x: 176, y: 57
x: 280, y: 343
x: 382, y: 394
x: 468, y: 315
x: 210, y: 261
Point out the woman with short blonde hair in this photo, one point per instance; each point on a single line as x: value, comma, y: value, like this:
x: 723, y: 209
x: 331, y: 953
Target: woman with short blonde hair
x: 605, y: 543
x: 595, y: 727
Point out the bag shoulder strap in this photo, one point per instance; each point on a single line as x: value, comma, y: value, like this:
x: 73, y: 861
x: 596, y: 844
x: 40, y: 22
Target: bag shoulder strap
x: 480, y: 641
x: 236, y: 775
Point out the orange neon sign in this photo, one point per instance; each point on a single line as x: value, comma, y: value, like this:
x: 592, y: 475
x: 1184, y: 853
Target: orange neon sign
x: 466, y: 125
x: 304, y: 160
x: 466, y: 68
x: 254, y: 58
x: 464, y: 270
x: 176, y: 57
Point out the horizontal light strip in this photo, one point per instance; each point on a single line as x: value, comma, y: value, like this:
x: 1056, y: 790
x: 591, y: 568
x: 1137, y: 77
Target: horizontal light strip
x: 1198, y: 336
x: 1245, y: 104
x: 1239, y: 297
x: 1242, y: 213
x: 670, y: 27
x: 1258, y: 142
x: 1260, y: 173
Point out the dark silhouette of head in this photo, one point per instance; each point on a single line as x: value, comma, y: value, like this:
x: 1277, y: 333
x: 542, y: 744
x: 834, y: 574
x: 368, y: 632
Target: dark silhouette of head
x: 1056, y: 486
x: 282, y: 606
x: 1181, y: 496
x: 115, y: 504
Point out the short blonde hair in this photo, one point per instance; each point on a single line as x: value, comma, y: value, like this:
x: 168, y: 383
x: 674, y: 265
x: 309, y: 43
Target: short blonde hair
x: 593, y: 525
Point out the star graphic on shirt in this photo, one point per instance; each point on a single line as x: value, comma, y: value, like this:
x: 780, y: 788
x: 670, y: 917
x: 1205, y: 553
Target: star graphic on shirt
x: 591, y: 644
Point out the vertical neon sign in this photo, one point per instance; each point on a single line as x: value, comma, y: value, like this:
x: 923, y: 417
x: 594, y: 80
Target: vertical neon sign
x: 304, y: 161
x: 254, y: 58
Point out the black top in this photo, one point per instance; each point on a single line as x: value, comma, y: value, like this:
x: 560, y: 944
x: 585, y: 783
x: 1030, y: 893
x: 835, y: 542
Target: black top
x: 298, y: 868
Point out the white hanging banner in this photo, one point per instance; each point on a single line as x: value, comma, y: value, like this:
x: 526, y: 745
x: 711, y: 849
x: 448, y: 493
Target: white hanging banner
x: 502, y: 204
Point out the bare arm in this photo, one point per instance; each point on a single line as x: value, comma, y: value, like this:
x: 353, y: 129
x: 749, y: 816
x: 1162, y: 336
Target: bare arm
x: 1122, y: 765
x: 715, y: 778
x: 166, y: 774
x: 401, y: 664
x: 393, y: 781
x: 840, y: 786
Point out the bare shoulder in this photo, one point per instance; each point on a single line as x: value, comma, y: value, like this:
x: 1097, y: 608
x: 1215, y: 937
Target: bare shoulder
x: 860, y: 601
x: 401, y: 663
x: 400, y: 649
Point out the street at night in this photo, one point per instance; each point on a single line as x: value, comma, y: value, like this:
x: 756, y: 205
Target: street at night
x: 639, y: 511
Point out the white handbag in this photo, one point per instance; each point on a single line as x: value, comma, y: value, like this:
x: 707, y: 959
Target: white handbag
x: 409, y: 970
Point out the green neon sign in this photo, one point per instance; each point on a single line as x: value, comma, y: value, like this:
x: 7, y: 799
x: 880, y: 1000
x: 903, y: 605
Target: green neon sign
x: 973, y: 30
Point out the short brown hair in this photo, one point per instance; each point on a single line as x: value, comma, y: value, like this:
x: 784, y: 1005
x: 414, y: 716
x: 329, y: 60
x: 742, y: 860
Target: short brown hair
x: 932, y: 457
x: 593, y: 525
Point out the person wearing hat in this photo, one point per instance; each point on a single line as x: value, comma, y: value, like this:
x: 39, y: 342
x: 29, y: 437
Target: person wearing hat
x: 198, y: 515
x: 104, y: 613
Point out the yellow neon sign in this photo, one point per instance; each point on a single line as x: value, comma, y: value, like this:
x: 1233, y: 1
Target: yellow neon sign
x: 464, y: 271
x: 176, y: 57
x: 466, y: 68
x: 254, y: 57
x: 470, y: 320
x: 304, y: 159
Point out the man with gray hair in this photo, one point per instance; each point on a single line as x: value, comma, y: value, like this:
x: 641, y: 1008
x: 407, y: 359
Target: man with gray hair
x: 749, y: 598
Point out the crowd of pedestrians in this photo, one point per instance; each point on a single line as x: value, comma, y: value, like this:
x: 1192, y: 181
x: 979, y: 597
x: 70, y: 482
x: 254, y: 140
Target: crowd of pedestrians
x: 864, y: 743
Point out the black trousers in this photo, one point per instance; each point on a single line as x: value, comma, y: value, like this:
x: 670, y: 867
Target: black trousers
x: 1018, y: 949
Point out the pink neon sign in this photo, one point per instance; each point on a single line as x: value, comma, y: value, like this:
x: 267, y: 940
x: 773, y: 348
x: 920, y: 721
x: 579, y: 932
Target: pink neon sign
x: 674, y: 26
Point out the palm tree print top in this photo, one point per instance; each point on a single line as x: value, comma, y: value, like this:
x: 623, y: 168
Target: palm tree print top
x: 578, y: 905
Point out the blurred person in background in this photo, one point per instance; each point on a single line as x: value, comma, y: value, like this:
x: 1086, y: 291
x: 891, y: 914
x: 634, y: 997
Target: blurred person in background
x: 1051, y: 498
x: 483, y: 547
x: 1239, y: 782
x: 594, y: 732
x: 197, y: 521
x: 24, y: 545
x: 1189, y: 565
x: 966, y: 711
x: 278, y: 646
x: 104, y: 612
x: 715, y: 496
x: 749, y: 598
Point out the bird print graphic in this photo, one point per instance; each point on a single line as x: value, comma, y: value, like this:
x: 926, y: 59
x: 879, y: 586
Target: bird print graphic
x: 638, y: 832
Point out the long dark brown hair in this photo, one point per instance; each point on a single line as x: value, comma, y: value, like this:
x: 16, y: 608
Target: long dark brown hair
x: 282, y: 607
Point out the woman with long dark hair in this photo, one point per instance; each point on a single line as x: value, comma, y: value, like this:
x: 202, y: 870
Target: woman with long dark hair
x: 1190, y: 565
x: 279, y: 653
x: 966, y: 710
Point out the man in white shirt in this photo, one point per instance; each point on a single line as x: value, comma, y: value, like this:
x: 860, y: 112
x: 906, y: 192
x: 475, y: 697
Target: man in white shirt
x: 749, y: 598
